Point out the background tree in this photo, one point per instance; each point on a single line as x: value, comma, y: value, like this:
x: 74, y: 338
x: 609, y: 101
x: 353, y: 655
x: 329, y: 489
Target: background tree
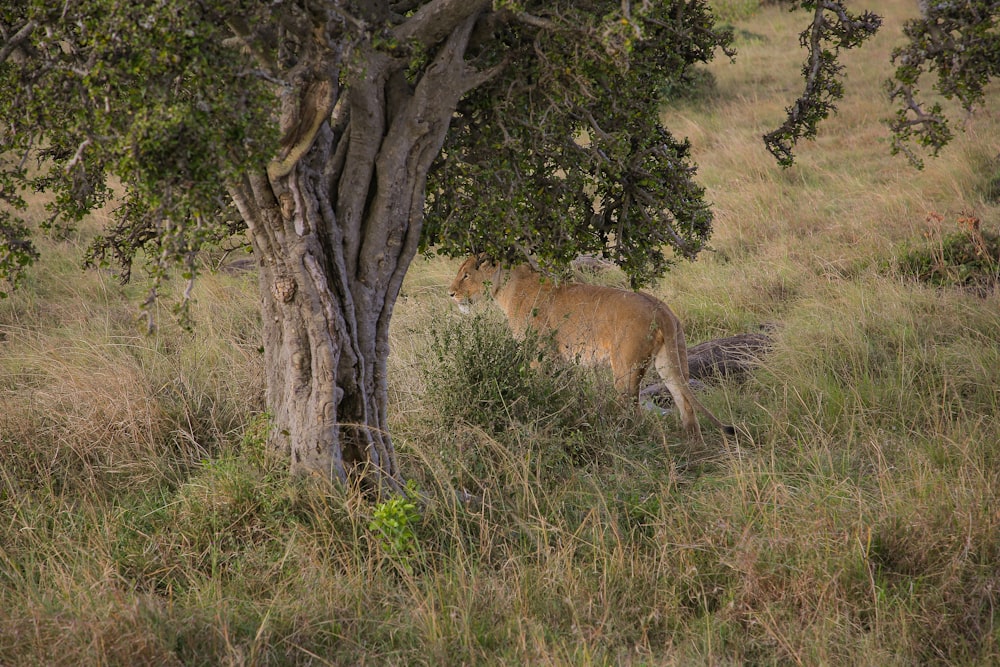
x: 329, y: 129
x: 961, y: 42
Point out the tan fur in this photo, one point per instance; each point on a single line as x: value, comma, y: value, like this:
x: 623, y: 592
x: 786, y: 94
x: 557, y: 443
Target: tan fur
x: 593, y: 325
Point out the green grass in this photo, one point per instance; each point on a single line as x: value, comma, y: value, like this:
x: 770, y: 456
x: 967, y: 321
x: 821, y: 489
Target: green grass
x: 853, y: 521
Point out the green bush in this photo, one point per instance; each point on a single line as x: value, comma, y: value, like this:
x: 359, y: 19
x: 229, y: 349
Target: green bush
x: 503, y: 410
x: 482, y: 375
x: 969, y: 257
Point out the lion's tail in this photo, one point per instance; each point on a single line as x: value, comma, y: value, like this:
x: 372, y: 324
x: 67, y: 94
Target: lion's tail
x: 672, y: 365
x: 728, y: 429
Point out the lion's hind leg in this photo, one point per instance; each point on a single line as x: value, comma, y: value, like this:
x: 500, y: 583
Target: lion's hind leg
x: 681, y: 394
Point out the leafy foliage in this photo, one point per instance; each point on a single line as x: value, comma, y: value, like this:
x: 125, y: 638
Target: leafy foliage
x: 157, y: 94
x: 15, y: 251
x: 832, y: 28
x: 393, y: 521
x: 563, y: 153
x: 961, y: 42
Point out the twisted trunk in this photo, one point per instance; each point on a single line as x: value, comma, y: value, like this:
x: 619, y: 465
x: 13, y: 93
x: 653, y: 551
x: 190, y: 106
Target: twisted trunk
x: 334, y: 225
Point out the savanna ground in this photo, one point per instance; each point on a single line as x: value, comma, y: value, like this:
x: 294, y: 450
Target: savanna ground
x: 854, y: 520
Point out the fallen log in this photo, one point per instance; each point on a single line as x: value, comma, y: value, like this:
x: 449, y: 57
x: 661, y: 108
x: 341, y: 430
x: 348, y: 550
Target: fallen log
x: 729, y: 357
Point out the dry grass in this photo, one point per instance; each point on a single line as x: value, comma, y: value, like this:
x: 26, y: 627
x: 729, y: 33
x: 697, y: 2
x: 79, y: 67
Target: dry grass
x: 852, y: 522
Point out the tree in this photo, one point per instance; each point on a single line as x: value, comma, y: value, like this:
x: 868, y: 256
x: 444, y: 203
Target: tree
x: 343, y: 136
x: 961, y: 42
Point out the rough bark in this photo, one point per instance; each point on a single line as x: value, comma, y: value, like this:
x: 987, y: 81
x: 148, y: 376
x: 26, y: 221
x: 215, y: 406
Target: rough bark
x: 334, y: 224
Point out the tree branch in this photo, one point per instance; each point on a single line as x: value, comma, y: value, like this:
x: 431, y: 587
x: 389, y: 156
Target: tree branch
x: 823, y: 73
x: 316, y: 106
x: 960, y: 42
x: 437, y: 19
x: 15, y: 41
x: 78, y: 156
x: 535, y: 21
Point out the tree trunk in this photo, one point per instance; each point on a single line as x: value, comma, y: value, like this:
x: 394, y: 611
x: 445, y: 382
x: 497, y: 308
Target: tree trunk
x: 325, y: 387
x: 334, y: 225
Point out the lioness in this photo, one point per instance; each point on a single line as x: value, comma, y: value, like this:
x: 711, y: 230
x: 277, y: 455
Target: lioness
x: 592, y: 324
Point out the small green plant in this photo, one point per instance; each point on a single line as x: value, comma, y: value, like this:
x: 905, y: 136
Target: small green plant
x: 969, y: 257
x: 393, y: 523
x: 253, y: 443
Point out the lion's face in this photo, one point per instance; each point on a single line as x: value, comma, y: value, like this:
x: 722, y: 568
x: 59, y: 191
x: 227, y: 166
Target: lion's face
x: 470, y: 283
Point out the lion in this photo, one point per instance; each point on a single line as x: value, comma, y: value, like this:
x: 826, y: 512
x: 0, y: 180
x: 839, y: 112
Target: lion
x: 594, y: 325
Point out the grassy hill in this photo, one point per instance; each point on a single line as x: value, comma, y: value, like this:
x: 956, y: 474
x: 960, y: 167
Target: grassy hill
x: 853, y: 521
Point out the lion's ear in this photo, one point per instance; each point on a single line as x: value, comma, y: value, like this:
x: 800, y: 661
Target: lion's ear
x: 480, y: 258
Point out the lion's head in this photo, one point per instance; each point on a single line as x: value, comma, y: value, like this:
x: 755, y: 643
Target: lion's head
x: 472, y: 281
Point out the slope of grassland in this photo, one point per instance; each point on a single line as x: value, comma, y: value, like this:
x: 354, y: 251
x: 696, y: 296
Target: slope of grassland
x: 853, y: 521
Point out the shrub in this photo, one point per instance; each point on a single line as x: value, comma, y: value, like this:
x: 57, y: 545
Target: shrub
x: 969, y: 257
x: 480, y: 374
x: 504, y: 410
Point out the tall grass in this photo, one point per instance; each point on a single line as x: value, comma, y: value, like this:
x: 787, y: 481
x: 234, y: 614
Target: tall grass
x: 852, y: 521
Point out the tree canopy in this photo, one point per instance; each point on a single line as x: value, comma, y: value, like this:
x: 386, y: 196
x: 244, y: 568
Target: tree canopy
x: 156, y: 95
x: 564, y: 153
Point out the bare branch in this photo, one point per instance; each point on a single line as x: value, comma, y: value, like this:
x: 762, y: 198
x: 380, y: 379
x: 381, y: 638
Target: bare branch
x: 537, y: 22
x: 78, y: 156
x: 14, y: 42
x: 261, y: 74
